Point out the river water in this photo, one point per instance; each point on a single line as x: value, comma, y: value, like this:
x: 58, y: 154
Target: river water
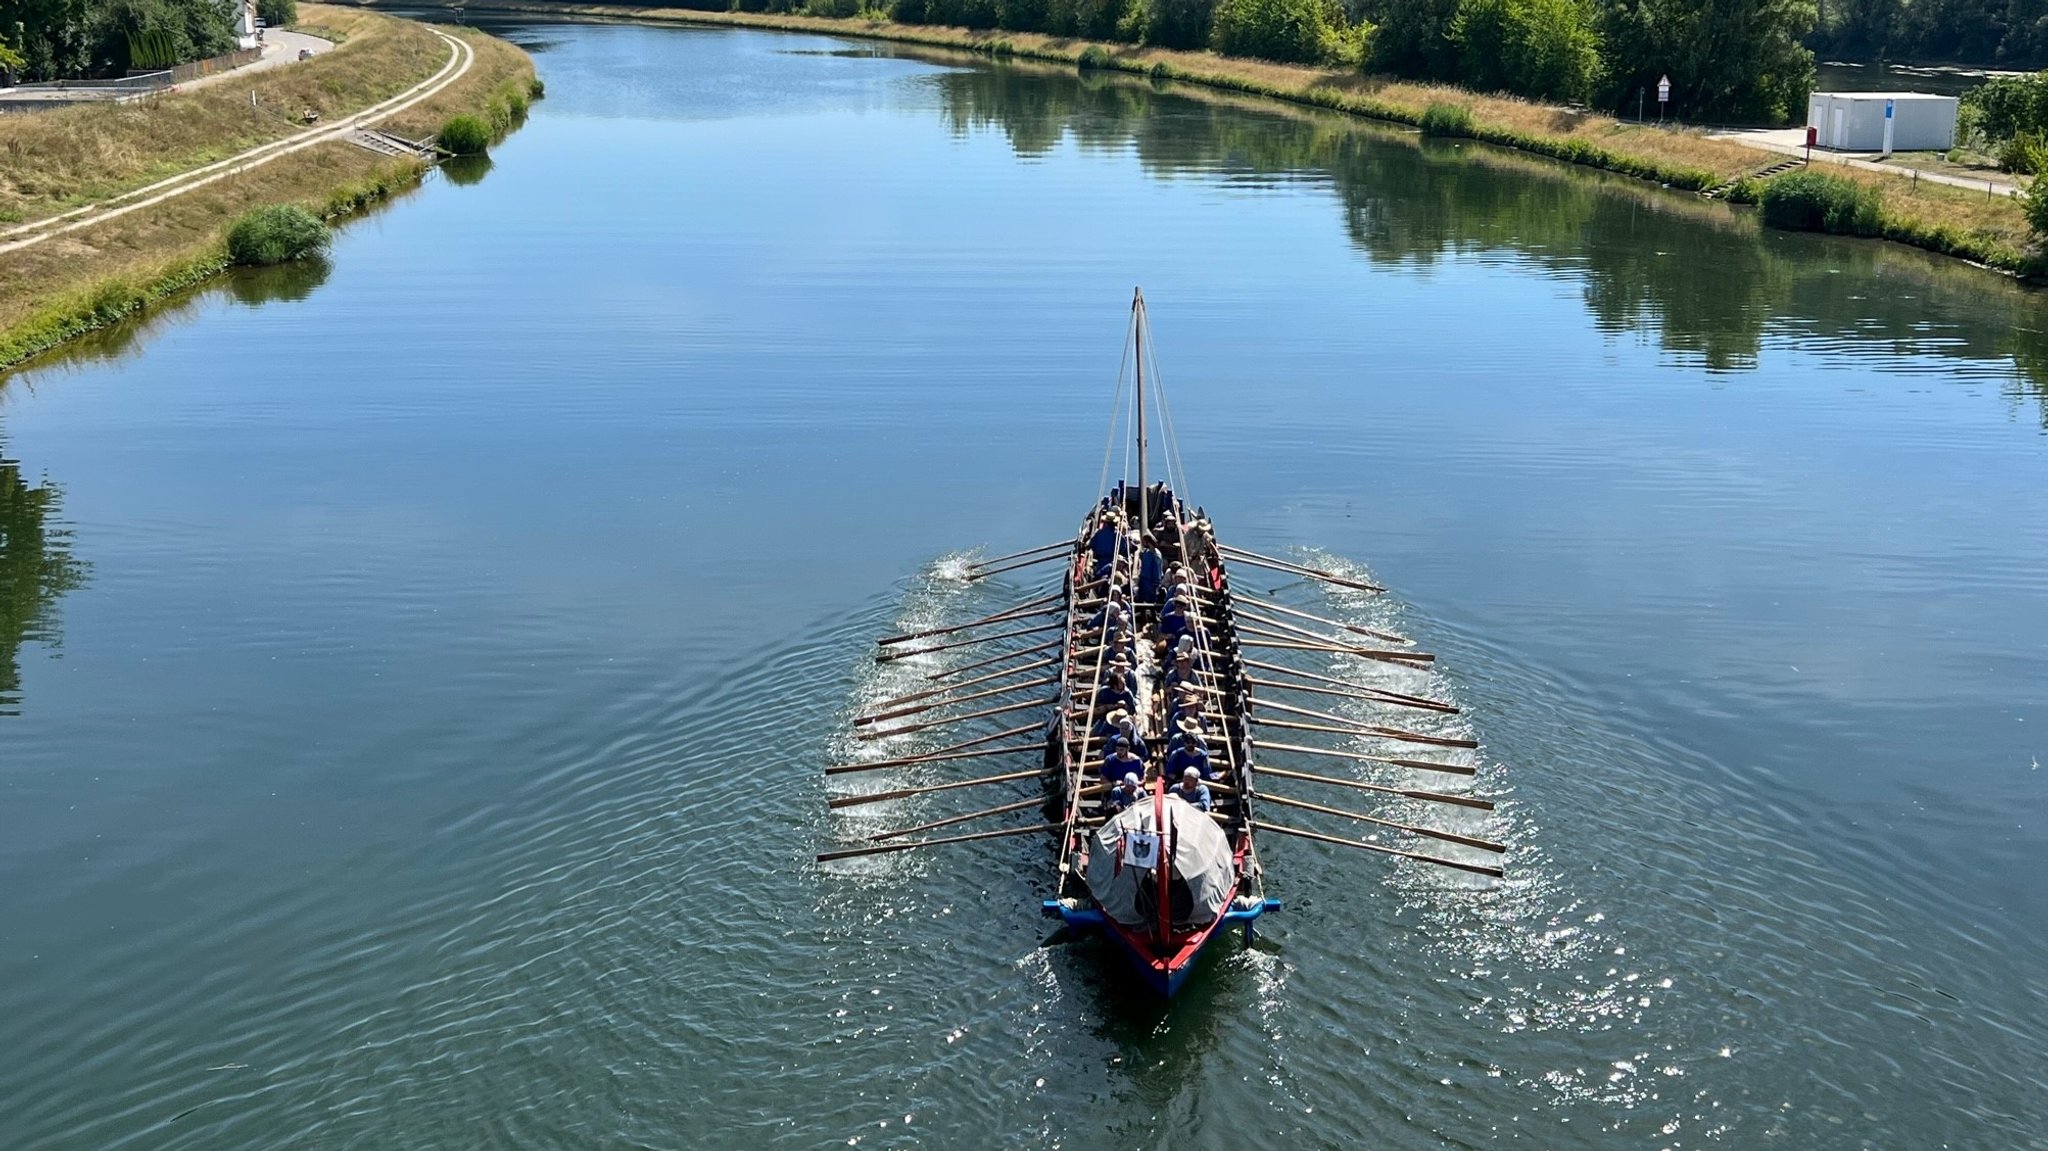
x: 418, y: 668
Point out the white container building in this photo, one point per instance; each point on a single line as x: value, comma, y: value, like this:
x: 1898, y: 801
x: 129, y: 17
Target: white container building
x: 1854, y: 121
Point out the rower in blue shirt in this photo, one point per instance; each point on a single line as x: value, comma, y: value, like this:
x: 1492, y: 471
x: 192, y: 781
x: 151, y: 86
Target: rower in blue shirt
x: 1127, y: 792
x: 1191, y: 754
x: 1104, y: 542
x: 1121, y: 761
x: 1193, y: 790
x: 1151, y: 570
x: 1116, y: 694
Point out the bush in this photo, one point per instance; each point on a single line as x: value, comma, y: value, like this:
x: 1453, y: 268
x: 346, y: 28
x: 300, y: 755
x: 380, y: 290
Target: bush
x: 278, y: 13
x: 2035, y: 200
x: 1095, y: 56
x: 1299, y: 31
x: 1446, y: 120
x: 1747, y: 190
x: 1816, y: 202
x: 2024, y: 154
x: 276, y: 234
x: 1541, y: 48
x: 465, y: 136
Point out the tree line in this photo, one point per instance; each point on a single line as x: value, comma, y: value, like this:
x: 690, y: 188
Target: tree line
x: 1985, y: 33
x: 73, y: 39
x: 1729, y: 60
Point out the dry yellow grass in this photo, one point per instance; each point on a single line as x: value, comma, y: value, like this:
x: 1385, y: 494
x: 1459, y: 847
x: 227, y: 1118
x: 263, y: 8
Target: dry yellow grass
x: 53, y: 161
x: 1989, y: 227
x: 43, y: 288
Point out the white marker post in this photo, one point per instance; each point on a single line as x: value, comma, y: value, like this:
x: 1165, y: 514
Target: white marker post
x: 1663, y: 96
x: 1889, y: 104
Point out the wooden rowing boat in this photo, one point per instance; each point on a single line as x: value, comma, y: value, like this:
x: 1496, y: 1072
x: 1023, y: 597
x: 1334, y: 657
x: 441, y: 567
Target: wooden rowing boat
x: 1160, y: 874
x: 1152, y: 729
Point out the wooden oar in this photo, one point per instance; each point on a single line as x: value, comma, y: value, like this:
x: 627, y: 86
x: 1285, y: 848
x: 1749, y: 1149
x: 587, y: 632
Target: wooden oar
x: 1257, y: 560
x: 828, y: 856
x: 937, y: 753
x: 953, y: 819
x: 1281, y: 629
x: 1020, y: 555
x: 1363, y: 697
x: 1330, y: 729
x: 1018, y: 612
x: 1004, y: 710
x: 1371, y: 729
x: 887, y: 656
x: 1474, y: 868
x: 950, y: 672
x: 1283, y: 609
x: 1360, y: 785
x: 1446, y: 836
x: 907, y: 792
x: 929, y: 692
x: 900, y: 712
x: 984, y: 573
x: 877, y: 765
x: 1378, y: 692
x: 1405, y: 658
x: 1362, y: 757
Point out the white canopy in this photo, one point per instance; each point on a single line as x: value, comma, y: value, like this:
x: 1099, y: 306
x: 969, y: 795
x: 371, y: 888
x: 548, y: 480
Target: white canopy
x: 1127, y: 848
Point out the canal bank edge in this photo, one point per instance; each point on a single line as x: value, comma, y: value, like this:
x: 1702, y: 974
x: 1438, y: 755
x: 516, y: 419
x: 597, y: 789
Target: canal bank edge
x: 85, y: 281
x: 1990, y: 231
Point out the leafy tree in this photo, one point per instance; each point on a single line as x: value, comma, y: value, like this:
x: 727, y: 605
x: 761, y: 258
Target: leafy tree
x: 1414, y: 38
x: 1304, y: 31
x: 278, y: 13
x: 1729, y: 60
x: 1541, y: 48
x: 70, y: 38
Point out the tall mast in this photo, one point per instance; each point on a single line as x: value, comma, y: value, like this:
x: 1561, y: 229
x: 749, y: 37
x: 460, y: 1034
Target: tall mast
x: 1138, y: 326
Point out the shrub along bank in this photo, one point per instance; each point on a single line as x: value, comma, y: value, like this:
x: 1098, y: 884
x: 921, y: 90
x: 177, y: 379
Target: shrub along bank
x: 1995, y: 231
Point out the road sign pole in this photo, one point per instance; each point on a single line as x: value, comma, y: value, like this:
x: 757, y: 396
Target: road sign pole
x: 1888, y: 106
x: 1663, y: 96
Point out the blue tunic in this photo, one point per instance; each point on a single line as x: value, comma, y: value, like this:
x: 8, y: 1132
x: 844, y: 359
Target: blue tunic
x: 1150, y: 571
x: 1103, y: 545
x: 1185, y: 757
x: 1199, y: 796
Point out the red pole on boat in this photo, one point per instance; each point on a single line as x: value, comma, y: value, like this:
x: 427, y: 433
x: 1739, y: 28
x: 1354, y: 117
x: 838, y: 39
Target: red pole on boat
x: 1165, y: 871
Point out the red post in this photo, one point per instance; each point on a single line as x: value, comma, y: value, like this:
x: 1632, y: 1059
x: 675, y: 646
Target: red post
x: 1812, y: 134
x: 1165, y: 871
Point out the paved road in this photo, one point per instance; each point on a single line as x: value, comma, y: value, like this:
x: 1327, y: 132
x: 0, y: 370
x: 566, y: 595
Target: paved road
x: 1792, y: 142
x: 279, y: 48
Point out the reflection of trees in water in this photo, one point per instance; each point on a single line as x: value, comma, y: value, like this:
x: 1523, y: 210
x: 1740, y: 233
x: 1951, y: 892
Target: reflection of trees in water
x: 35, y: 568
x: 1707, y: 282
x: 462, y: 171
x: 290, y: 281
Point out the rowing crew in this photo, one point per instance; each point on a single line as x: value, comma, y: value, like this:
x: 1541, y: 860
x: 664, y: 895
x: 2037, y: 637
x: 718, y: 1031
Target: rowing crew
x: 1129, y: 790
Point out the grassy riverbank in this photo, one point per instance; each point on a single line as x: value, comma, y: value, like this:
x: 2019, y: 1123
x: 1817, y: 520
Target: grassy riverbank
x: 54, y: 162
x: 1990, y: 230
